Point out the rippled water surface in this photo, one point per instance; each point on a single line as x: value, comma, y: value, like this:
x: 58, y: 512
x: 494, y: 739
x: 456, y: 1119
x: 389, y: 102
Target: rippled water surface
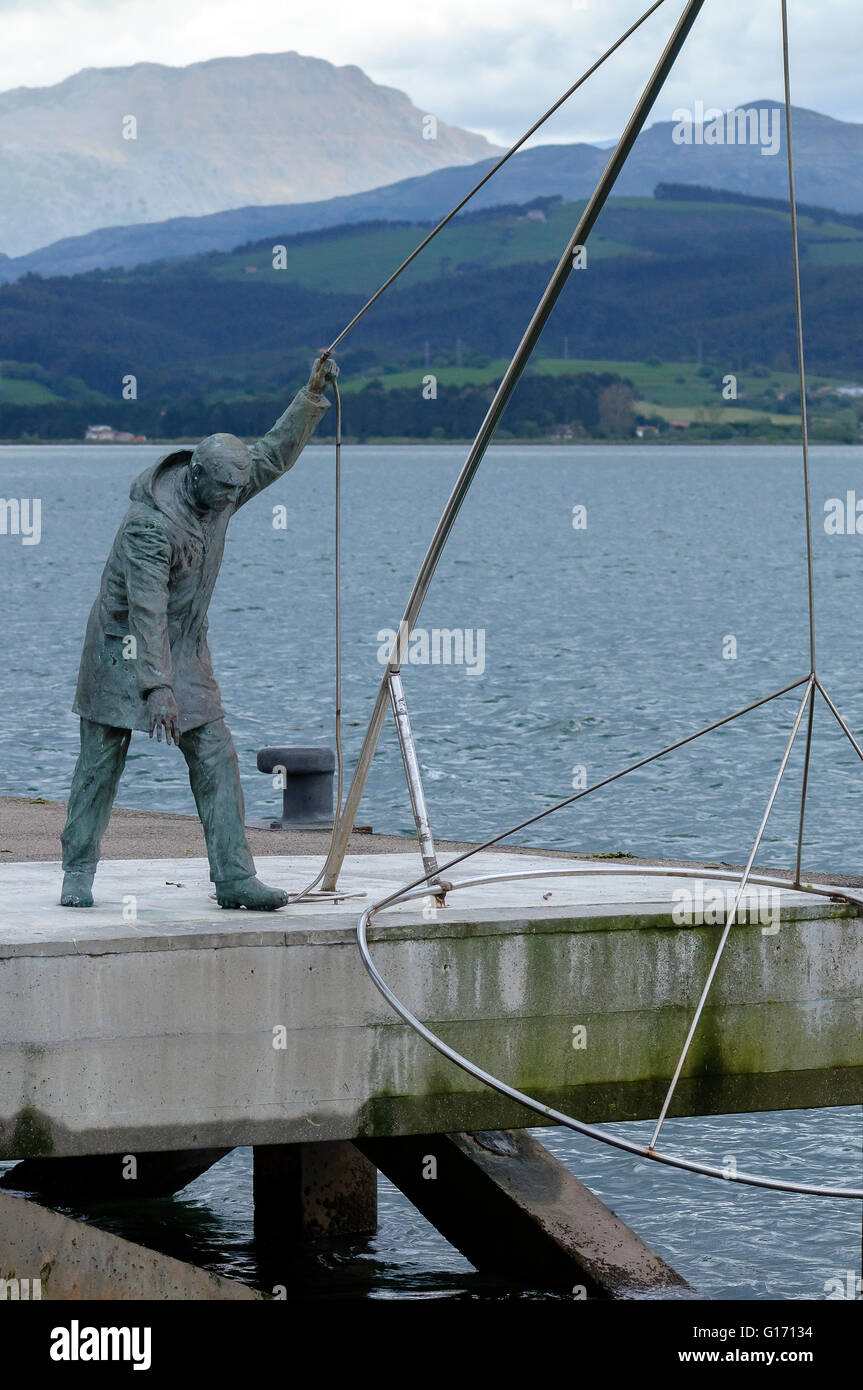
x: 601, y: 645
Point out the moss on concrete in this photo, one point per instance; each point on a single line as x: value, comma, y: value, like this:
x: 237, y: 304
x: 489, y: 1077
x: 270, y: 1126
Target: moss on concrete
x: 31, y: 1137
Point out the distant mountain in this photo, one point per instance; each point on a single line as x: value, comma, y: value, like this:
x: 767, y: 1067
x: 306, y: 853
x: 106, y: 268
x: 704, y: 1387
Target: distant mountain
x: 829, y: 157
x: 228, y: 133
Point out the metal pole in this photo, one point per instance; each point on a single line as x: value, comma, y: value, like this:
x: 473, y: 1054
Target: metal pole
x: 495, y: 410
x: 414, y: 780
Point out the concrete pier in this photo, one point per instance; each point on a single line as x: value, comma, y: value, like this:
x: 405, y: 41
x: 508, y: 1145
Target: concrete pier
x: 157, y: 1021
x: 158, y: 1031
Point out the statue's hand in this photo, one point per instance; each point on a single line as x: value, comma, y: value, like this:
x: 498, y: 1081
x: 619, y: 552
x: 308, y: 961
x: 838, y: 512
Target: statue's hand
x: 164, y: 714
x: 323, y: 372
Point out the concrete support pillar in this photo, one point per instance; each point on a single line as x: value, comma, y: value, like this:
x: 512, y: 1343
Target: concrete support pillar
x: 513, y: 1209
x: 107, y: 1177
x: 309, y: 1192
x: 46, y: 1255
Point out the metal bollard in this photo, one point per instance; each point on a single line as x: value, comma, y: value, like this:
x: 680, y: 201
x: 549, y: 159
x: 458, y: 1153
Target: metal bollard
x: 306, y: 779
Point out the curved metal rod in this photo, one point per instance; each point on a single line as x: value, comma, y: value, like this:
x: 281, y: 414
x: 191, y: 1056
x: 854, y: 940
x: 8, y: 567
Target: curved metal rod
x: 826, y: 890
x: 557, y: 1116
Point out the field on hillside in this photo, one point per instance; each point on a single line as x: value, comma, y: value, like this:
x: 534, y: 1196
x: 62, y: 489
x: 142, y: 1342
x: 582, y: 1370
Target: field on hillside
x: 359, y: 258
x: 671, y: 385
x: 14, y: 391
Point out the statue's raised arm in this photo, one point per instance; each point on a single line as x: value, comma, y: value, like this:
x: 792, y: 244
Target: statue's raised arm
x: 282, y: 445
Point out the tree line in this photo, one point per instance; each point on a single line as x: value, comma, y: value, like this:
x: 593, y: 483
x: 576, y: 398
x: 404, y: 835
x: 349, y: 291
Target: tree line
x: 590, y: 403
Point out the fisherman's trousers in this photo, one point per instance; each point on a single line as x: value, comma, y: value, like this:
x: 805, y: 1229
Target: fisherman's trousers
x: 214, y: 775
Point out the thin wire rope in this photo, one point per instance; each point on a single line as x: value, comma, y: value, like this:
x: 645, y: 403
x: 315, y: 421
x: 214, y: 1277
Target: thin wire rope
x: 808, y: 699
x: 496, y: 407
x: 798, y: 315
x: 803, y: 790
x: 856, y: 746
x: 490, y: 174
x: 614, y: 777
x: 804, y: 420
x: 731, y: 916
x: 307, y: 891
x: 804, y: 434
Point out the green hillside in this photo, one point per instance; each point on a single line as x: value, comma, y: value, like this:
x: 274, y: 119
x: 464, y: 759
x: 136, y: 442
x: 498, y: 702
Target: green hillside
x: 356, y: 259
x: 664, y: 383
x: 14, y: 391
x: 350, y: 260
x: 678, y: 293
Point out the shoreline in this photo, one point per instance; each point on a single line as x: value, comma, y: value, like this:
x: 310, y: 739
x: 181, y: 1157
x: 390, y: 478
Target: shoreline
x: 426, y: 442
x: 30, y: 833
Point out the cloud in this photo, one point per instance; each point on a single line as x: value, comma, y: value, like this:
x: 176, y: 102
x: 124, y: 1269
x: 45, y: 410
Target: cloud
x: 491, y: 66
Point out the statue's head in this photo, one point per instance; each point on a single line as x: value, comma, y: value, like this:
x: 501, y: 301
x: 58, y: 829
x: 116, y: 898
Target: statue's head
x: 219, y: 468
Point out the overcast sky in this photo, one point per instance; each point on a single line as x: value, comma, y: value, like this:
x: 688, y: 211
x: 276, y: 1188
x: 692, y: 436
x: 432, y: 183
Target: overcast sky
x: 490, y: 65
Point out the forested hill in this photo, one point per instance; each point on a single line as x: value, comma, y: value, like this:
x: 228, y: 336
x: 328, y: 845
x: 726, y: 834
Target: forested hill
x: 669, y: 278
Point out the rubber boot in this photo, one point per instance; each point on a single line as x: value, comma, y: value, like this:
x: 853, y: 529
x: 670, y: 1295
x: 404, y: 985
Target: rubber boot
x: 250, y: 893
x: 77, y: 888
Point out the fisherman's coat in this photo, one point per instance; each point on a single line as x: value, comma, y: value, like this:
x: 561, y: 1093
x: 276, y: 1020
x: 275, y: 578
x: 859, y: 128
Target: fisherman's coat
x: 148, y: 626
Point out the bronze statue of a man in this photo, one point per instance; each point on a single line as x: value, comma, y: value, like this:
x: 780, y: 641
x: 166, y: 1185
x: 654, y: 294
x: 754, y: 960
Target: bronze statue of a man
x: 145, y: 663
